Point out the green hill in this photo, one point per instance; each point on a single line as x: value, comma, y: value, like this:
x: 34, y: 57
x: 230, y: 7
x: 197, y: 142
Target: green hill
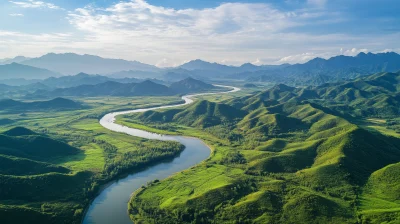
x: 111, y: 88
x: 291, y: 161
x: 376, y: 95
x: 23, y: 142
x: 28, y: 176
x: 200, y: 114
x: 190, y: 85
x: 54, y: 104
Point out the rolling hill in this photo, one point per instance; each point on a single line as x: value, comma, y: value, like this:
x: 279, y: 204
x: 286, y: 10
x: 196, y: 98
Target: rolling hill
x: 376, y: 95
x: 190, y: 85
x: 82, y: 79
x: 26, y: 160
x: 280, y: 157
x: 202, y: 114
x: 112, y: 88
x: 54, y: 104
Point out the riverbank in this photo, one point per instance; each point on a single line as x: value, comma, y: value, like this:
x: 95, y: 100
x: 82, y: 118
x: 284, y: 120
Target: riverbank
x: 112, y: 198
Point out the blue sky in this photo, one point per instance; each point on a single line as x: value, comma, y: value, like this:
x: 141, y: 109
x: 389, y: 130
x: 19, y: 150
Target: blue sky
x: 171, y: 32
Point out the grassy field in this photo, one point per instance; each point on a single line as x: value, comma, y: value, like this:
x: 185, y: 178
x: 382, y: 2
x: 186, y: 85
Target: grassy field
x: 102, y: 154
x: 285, y: 163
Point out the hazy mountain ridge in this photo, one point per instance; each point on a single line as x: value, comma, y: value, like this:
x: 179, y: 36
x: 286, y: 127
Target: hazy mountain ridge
x: 314, y: 72
x: 319, y: 71
x: 83, y: 79
x: 70, y: 63
x: 17, y: 59
x: 15, y: 71
x: 144, y: 88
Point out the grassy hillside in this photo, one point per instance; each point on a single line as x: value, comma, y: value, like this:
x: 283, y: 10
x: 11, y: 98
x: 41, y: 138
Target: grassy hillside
x: 277, y: 159
x: 54, y: 104
x: 190, y: 85
x: 376, y: 95
x: 53, y: 164
x: 200, y: 114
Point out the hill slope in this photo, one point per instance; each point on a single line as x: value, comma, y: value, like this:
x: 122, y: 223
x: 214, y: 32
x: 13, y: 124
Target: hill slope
x: 82, y: 79
x: 110, y: 88
x: 190, y: 85
x: 283, y: 160
x: 54, y: 104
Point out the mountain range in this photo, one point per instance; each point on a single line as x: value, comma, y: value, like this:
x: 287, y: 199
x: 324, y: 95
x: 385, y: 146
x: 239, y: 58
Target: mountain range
x: 319, y: 71
x: 82, y: 79
x: 70, y: 64
x: 314, y: 72
x: 144, y: 88
x: 16, y: 71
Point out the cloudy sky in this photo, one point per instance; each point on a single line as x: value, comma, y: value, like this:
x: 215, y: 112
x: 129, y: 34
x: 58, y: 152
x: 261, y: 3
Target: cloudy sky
x: 171, y: 32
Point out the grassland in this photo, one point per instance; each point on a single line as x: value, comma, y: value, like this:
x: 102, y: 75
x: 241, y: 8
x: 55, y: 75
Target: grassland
x: 100, y: 156
x: 281, y: 161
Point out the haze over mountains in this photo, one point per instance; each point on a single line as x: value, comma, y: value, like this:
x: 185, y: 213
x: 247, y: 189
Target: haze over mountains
x: 315, y: 72
x: 142, y: 88
x: 70, y: 64
x: 17, y: 71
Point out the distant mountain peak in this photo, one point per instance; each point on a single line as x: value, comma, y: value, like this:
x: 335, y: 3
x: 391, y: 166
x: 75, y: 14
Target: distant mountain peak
x: 248, y: 65
x: 71, y: 63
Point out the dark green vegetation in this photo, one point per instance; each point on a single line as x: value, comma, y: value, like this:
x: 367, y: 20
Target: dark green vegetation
x: 377, y: 95
x: 145, y: 88
x: 284, y: 155
x: 190, y: 85
x: 51, y: 170
x: 82, y: 79
x: 54, y: 104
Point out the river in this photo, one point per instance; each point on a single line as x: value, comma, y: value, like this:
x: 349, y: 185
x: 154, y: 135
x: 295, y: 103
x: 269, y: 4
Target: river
x: 111, y: 205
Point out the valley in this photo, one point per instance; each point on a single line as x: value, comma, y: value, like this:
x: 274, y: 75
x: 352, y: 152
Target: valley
x: 82, y: 144
x: 199, y: 112
x: 66, y: 181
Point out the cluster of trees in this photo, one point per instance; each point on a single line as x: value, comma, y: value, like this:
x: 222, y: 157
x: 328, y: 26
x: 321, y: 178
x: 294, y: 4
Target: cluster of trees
x: 140, y: 158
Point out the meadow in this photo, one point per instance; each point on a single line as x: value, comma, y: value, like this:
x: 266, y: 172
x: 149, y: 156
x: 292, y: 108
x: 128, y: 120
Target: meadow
x: 99, y: 157
x: 274, y: 161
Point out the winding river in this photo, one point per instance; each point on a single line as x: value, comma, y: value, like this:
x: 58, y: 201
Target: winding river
x: 111, y: 205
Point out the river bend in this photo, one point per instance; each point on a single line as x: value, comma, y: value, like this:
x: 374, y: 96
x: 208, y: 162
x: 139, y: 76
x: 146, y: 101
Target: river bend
x: 111, y: 205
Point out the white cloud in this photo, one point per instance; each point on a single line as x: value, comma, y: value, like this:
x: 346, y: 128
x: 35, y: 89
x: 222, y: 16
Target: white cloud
x: 35, y: 4
x: 16, y: 14
x: 352, y: 51
x: 298, y: 58
x: 165, y: 63
x: 231, y: 32
x: 139, y: 16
